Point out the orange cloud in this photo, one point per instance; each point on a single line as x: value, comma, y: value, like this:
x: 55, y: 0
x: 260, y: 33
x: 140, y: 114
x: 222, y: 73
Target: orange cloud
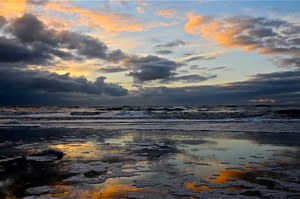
x: 141, y: 5
x: 221, y: 31
x: 167, y: 13
x: 106, y: 19
x: 12, y: 8
x: 267, y: 36
x: 87, y: 68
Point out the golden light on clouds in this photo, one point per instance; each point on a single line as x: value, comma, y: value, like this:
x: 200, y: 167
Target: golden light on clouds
x: 221, y: 31
x: 87, y: 68
x: 106, y: 19
x: 12, y: 8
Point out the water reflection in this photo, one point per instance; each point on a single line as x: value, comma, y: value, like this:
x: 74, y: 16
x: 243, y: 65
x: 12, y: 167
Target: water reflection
x: 80, y: 150
x: 152, y: 162
x: 109, y: 191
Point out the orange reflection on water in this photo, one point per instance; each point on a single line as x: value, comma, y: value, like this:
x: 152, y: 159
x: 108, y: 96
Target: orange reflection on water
x: 110, y: 191
x: 225, y: 174
x: 86, y: 150
x: 197, y: 189
x: 223, y: 177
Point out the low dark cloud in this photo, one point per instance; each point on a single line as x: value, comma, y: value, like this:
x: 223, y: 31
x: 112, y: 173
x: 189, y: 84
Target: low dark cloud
x: 13, y: 80
x: 164, y: 52
x: 113, y: 69
x: 171, y: 44
x: 280, y: 86
x: 151, y: 68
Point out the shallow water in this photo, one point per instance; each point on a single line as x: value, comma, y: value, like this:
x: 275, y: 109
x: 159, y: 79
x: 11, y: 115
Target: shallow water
x: 150, y: 152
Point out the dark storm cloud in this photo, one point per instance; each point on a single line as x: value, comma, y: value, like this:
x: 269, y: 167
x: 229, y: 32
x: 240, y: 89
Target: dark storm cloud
x: 34, y: 43
x: 164, y: 52
x: 171, y: 44
x: 113, y: 69
x: 280, y: 86
x: 13, y: 80
x: 12, y: 51
x: 188, y: 78
x: 151, y: 68
x: 29, y: 28
x: 31, y: 42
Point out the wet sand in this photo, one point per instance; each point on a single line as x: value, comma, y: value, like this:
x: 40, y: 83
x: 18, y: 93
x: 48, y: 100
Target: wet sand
x: 147, y: 164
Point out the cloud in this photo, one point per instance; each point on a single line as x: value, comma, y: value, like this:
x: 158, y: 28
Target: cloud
x: 266, y: 36
x: 104, y: 18
x: 287, y: 62
x: 167, y: 13
x: 29, y: 28
x: 29, y: 41
x: 217, y: 68
x: 149, y: 68
x: 2, y: 21
x: 113, y: 69
x: 12, y: 8
x: 14, y: 53
x: 164, y: 52
x: 279, y: 86
x: 188, y: 78
x: 259, y: 101
x: 196, y: 67
x: 37, y: 81
x: 200, y: 56
x: 141, y: 6
x: 171, y: 44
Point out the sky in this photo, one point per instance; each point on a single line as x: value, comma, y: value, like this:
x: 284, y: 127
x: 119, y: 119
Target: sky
x: 118, y: 52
